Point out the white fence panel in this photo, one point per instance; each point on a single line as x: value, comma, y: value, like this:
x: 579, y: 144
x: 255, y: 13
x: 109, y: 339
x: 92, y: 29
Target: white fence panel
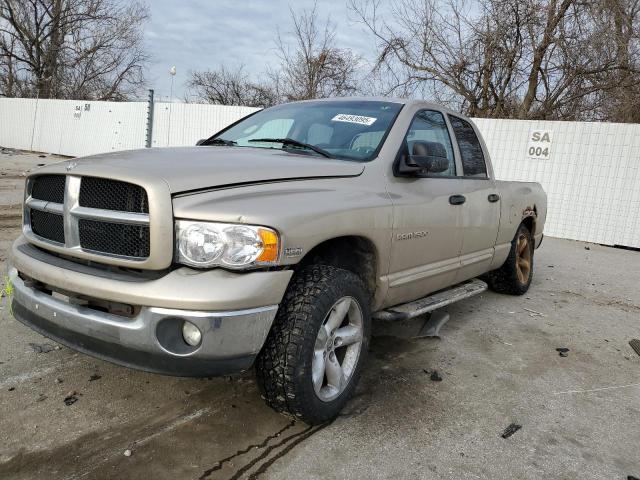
x: 591, y: 172
x: 592, y: 175
x: 182, y: 124
x: 72, y: 127
x: 16, y: 122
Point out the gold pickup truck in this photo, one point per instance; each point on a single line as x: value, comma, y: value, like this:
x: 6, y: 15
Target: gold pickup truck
x: 272, y: 244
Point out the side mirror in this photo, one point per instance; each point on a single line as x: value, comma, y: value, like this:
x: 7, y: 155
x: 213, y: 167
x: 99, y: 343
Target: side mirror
x: 200, y: 142
x: 429, y: 156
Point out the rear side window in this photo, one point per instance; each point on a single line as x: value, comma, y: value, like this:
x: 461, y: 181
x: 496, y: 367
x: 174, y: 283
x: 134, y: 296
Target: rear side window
x: 473, y: 163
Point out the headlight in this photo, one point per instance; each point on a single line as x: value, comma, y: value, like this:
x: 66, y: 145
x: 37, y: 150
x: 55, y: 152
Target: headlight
x: 208, y: 244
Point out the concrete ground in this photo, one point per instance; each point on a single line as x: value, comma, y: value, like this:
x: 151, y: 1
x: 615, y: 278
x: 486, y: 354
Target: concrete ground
x: 497, y: 357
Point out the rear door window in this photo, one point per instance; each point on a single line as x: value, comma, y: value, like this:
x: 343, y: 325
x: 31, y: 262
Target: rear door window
x: 473, y: 164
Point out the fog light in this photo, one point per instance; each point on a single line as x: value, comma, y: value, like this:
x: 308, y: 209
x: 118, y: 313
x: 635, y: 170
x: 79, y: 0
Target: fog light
x: 191, y: 334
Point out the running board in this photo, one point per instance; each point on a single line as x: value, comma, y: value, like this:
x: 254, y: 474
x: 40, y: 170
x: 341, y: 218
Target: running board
x: 432, y: 302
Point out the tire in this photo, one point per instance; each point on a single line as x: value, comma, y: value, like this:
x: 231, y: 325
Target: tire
x: 513, y: 277
x: 300, y: 343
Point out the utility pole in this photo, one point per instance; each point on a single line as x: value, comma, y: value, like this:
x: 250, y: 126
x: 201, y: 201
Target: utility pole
x: 172, y: 72
x: 149, y: 120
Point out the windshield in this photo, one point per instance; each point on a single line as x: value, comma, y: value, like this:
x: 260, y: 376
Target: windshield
x: 350, y: 129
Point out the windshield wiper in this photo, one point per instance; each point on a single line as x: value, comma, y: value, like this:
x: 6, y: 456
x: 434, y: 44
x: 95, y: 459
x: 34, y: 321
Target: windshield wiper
x: 219, y: 141
x: 294, y: 143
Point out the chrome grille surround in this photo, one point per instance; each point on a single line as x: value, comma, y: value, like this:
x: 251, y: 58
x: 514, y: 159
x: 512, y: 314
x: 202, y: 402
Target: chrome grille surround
x: 72, y: 213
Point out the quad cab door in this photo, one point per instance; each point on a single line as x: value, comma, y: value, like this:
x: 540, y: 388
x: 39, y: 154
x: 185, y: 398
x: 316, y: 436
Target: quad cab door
x: 480, y: 212
x: 427, y: 220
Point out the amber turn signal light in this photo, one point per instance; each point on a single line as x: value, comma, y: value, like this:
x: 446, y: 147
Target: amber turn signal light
x: 270, y: 246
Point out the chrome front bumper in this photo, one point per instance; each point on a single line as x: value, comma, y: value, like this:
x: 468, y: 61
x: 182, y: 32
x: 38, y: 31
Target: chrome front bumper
x: 152, y: 340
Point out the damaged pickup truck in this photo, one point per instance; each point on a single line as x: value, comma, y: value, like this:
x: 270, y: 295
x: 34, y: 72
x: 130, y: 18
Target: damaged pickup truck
x: 272, y: 244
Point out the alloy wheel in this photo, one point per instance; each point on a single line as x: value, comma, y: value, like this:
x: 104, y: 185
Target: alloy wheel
x: 337, y: 349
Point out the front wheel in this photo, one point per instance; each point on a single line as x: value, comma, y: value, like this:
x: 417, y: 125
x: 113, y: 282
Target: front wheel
x: 311, y: 361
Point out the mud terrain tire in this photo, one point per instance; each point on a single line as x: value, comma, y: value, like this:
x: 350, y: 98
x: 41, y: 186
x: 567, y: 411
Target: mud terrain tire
x: 287, y: 365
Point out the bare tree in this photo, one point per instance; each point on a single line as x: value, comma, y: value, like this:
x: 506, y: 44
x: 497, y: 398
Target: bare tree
x: 497, y: 58
x: 622, y: 18
x: 314, y: 67
x: 229, y: 87
x: 85, y: 49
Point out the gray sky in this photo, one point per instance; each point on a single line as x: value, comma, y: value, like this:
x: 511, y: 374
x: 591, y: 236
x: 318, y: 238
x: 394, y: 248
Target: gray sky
x: 201, y: 34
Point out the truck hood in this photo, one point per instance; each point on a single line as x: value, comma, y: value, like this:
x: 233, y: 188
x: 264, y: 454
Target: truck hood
x: 207, y: 167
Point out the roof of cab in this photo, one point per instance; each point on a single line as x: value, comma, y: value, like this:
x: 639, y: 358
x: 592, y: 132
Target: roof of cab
x: 402, y: 101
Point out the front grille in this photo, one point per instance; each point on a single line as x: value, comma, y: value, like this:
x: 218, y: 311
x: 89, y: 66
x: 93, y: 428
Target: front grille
x: 47, y: 225
x: 98, y: 215
x: 114, y: 238
x: 49, y: 188
x: 113, y: 195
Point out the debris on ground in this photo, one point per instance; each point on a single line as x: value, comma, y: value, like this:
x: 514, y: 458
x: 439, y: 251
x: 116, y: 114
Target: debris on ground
x: 587, y: 247
x: 533, y: 313
x: 635, y: 344
x: 42, y: 347
x: 127, y: 453
x: 59, y: 380
x: 71, y: 398
x: 563, y: 351
x: 510, y: 430
x: 11, y: 389
x: 95, y: 376
x: 435, y: 376
x: 41, y: 398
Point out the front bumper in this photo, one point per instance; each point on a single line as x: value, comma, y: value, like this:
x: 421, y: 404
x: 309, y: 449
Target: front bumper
x: 152, y: 339
x: 184, y: 288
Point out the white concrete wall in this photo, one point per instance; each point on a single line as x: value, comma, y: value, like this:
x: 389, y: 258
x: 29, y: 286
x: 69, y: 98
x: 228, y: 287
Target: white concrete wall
x: 591, y: 175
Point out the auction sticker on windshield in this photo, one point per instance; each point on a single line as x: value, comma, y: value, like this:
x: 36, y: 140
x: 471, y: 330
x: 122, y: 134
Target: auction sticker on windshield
x: 359, y: 119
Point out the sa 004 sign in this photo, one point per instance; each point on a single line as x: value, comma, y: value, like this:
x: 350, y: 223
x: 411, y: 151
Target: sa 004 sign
x: 540, y: 144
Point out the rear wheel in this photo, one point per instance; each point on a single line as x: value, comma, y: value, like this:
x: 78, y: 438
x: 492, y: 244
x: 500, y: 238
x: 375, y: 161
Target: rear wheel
x: 311, y: 361
x: 514, y: 276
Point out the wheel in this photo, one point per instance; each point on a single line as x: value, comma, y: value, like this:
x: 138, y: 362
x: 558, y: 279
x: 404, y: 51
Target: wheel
x: 514, y: 276
x: 311, y: 361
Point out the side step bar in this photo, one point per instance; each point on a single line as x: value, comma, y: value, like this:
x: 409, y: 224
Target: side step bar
x: 432, y: 302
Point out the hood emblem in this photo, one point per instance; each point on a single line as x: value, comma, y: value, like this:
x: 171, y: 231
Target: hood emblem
x: 71, y: 166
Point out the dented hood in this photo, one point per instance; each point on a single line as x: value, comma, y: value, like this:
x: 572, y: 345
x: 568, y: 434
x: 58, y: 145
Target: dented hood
x: 204, y: 167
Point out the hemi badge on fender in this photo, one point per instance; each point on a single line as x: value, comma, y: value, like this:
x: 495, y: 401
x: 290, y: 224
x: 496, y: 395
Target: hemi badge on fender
x: 293, y: 251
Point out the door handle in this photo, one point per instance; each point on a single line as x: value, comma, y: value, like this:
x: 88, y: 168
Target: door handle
x: 493, y: 197
x: 457, y: 199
